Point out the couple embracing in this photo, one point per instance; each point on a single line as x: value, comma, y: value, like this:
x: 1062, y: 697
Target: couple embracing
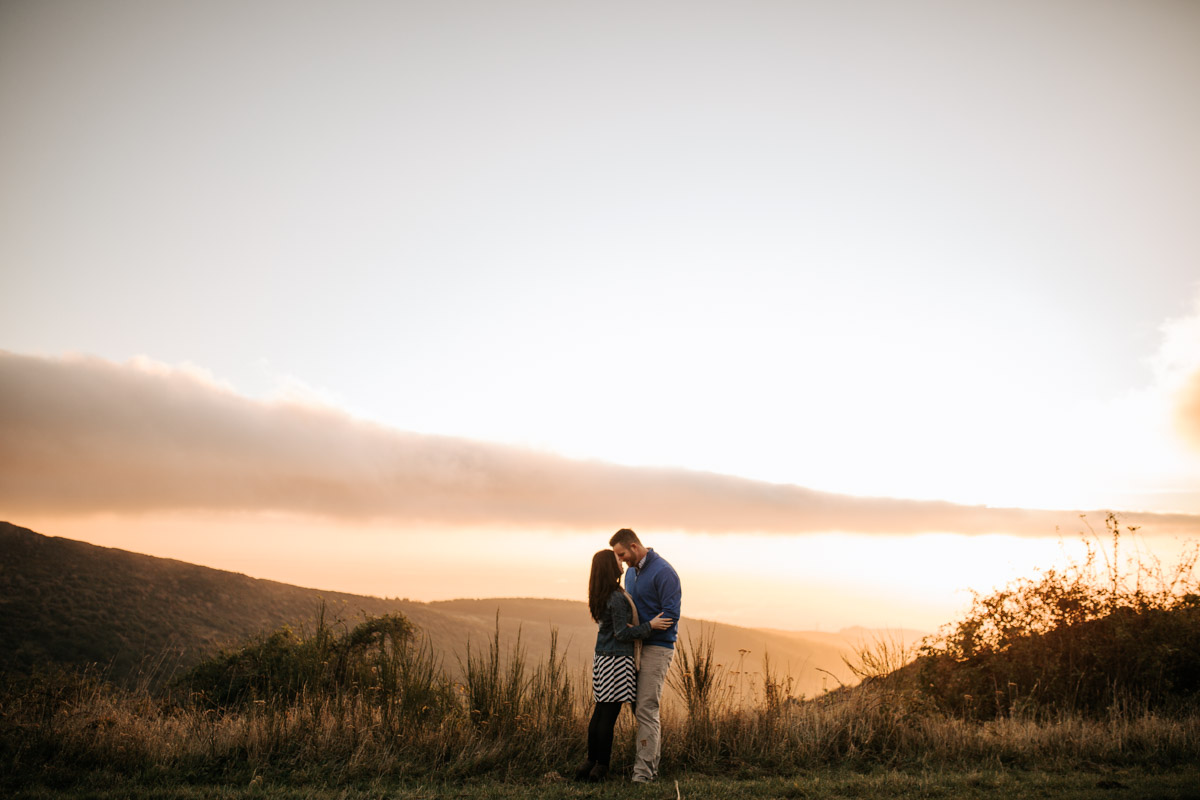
x: 634, y: 648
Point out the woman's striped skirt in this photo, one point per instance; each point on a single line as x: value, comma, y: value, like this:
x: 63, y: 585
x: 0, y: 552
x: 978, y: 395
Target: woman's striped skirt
x: 614, y: 679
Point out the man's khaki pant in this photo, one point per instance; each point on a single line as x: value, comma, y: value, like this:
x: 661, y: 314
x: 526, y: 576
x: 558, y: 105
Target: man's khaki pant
x: 656, y: 662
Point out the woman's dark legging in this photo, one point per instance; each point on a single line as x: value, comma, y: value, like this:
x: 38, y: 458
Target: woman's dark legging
x: 600, y: 732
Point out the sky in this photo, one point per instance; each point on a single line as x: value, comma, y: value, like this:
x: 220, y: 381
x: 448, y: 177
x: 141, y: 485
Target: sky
x: 850, y: 307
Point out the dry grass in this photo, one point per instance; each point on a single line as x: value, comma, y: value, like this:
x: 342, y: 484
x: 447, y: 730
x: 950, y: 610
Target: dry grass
x: 375, y: 707
x: 515, y: 722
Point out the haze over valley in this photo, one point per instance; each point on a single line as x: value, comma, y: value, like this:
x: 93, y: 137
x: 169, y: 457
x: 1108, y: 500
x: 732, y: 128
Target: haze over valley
x: 143, y: 620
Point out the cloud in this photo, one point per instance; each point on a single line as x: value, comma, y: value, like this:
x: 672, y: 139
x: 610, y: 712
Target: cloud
x: 83, y: 435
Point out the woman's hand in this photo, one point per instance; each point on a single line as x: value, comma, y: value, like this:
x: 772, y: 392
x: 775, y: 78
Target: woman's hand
x: 661, y: 623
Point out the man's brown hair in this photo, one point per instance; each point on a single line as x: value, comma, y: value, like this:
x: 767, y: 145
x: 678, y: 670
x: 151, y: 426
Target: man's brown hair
x: 624, y: 537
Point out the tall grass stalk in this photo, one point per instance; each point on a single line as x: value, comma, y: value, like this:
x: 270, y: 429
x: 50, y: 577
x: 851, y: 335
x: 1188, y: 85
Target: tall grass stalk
x: 395, y: 712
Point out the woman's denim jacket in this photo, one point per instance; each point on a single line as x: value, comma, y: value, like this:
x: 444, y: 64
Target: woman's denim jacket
x: 615, y: 637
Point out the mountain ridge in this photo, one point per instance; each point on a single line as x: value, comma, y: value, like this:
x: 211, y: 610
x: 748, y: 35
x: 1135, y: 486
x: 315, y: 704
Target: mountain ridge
x: 143, y: 618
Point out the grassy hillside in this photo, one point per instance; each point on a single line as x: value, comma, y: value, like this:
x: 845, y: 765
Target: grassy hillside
x: 65, y: 602
x: 814, y: 660
x: 368, y: 708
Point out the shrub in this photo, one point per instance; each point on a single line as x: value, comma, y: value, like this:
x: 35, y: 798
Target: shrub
x: 376, y: 656
x: 1077, y: 639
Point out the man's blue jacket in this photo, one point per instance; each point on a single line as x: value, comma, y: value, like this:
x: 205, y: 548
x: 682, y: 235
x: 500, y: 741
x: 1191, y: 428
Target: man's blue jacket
x: 655, y: 589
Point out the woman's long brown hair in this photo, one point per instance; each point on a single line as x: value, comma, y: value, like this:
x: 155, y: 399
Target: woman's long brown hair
x: 604, y: 580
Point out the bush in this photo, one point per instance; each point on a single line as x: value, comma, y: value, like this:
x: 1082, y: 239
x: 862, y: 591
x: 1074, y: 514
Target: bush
x: 376, y: 656
x: 1079, y: 639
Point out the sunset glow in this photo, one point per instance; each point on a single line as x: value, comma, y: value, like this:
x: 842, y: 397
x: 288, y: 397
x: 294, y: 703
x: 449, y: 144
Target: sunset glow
x: 812, y: 582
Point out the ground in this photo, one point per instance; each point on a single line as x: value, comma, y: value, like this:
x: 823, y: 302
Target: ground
x: 832, y: 784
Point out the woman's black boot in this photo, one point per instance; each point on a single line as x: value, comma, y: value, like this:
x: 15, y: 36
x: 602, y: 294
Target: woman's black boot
x: 585, y: 769
x: 598, y: 773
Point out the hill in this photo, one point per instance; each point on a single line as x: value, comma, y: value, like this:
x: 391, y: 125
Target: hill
x: 71, y: 603
x: 64, y: 602
x: 813, y: 659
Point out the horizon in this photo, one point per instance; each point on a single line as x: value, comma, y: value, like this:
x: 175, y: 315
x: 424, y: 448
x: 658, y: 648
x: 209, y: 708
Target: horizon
x: 480, y: 599
x: 853, y: 310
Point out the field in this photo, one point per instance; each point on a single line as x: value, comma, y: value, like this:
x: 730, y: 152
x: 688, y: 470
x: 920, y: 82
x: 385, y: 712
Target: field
x: 513, y: 730
x: 831, y: 784
x: 1068, y: 686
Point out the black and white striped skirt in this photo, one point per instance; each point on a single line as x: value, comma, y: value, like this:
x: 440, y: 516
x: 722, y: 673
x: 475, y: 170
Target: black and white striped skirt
x: 614, y: 679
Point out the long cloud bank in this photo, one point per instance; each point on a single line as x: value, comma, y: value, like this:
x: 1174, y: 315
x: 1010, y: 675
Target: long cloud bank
x: 83, y: 435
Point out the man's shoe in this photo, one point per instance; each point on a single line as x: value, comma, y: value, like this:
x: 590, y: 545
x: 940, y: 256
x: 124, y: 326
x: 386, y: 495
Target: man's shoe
x: 598, y: 773
x: 584, y: 770
x: 641, y: 779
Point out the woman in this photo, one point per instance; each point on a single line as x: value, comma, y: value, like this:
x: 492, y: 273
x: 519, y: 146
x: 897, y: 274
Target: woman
x: 614, y: 668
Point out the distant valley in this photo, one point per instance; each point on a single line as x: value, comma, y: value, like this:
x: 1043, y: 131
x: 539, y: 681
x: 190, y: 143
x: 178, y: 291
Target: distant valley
x: 141, y: 618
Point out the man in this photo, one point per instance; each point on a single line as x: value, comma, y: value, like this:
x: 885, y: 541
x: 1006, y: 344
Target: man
x: 654, y: 586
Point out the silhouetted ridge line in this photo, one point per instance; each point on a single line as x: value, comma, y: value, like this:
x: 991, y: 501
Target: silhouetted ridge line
x: 142, y: 618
